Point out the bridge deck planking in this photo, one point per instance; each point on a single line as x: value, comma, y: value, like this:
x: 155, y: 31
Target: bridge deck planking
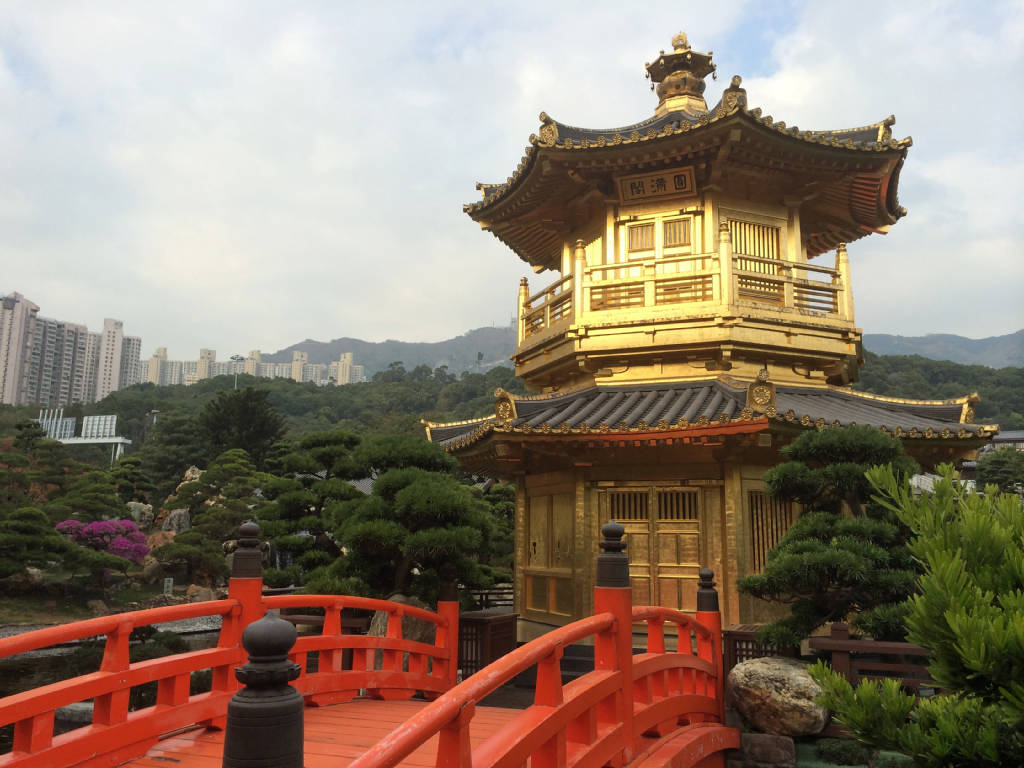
x: 335, y: 736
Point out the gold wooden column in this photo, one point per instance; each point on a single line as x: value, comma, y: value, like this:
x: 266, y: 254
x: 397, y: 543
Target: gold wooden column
x: 734, y: 539
x: 519, y: 546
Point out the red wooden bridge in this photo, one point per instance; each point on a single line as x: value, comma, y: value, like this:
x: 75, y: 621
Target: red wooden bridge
x: 376, y: 702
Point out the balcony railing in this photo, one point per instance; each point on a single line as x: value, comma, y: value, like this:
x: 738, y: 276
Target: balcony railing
x: 717, y: 281
x: 547, y: 308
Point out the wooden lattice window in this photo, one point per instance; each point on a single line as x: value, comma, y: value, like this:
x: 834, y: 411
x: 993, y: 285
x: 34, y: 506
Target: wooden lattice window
x: 626, y: 506
x: 677, y: 233
x: 752, y: 239
x: 769, y: 521
x: 679, y: 504
x: 641, y: 237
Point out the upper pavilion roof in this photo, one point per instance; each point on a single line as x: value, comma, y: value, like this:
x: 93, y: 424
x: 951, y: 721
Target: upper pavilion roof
x: 850, y: 175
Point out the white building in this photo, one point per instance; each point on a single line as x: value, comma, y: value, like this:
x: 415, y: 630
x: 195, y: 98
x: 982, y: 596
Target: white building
x: 16, y: 318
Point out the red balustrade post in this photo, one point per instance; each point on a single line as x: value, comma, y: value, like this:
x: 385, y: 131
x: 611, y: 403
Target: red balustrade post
x: 709, y: 616
x: 613, y: 650
x: 447, y: 636
x: 112, y: 708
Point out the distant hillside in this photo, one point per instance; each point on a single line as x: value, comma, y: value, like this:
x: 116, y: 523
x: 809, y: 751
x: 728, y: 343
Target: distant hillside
x: 995, y: 351
x: 484, y: 348
x: 477, y: 350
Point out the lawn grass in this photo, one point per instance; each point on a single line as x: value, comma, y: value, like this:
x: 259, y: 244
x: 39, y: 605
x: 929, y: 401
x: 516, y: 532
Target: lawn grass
x: 51, y: 608
x: 42, y: 610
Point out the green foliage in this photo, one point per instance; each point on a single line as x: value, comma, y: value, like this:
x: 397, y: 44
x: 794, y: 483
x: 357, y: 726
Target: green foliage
x: 28, y: 539
x: 132, y: 483
x: 1004, y: 468
x: 829, y: 565
x: 419, y: 530
x: 218, y: 502
x: 1001, y: 390
x: 175, y: 444
x: 28, y: 434
x: 843, y: 752
x: 241, y: 418
x: 91, y: 496
x: 384, y: 452
x: 969, y: 612
x: 95, y: 564
x: 826, y: 467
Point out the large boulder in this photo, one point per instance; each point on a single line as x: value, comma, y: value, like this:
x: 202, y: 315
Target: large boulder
x: 196, y: 593
x: 776, y: 695
x: 417, y: 630
x: 141, y: 513
x: 177, y: 520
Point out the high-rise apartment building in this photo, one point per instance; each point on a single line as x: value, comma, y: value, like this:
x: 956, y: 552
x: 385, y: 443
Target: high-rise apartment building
x: 57, y: 371
x: 299, y: 361
x: 131, y: 352
x: 56, y: 363
x: 252, y: 363
x: 17, y: 315
x: 159, y: 370
x: 154, y: 365
x: 108, y: 362
x: 206, y: 357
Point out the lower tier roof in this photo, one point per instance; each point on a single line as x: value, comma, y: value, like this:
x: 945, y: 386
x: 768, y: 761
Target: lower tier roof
x: 680, y: 406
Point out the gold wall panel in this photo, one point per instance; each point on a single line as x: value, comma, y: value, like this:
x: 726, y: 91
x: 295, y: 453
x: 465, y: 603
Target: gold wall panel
x: 562, y: 596
x: 562, y: 513
x: 536, y: 593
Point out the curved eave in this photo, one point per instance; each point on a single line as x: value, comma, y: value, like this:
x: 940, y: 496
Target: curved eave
x: 869, y: 198
x: 664, y: 412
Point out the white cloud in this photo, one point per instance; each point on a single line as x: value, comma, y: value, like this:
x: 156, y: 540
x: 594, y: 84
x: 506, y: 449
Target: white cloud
x: 243, y: 174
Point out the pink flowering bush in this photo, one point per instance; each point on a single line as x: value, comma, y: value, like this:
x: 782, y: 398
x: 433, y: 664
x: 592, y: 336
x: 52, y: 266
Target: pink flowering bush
x: 120, y: 538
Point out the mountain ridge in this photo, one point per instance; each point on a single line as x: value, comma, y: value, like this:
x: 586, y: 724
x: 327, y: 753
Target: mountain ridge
x: 1005, y: 351
x: 481, y: 348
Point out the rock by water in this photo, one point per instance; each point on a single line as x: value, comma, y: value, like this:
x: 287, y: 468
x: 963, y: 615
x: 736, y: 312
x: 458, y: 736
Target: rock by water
x: 776, y: 695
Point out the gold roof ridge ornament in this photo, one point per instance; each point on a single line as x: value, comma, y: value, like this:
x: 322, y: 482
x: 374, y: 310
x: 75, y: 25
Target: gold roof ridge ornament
x: 678, y: 78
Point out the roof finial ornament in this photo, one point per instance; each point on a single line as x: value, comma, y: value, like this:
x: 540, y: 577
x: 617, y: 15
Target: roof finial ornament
x: 679, y: 78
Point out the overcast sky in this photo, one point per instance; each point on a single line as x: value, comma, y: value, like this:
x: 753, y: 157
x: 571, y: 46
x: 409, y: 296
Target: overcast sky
x: 241, y: 175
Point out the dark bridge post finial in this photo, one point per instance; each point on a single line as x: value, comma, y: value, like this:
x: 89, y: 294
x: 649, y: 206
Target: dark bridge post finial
x: 612, y: 563
x: 264, y: 723
x: 247, y: 560
x: 707, y: 595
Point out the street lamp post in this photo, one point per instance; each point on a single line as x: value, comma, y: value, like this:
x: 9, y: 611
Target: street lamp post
x: 237, y: 359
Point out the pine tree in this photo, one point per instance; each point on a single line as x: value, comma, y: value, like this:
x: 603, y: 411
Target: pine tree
x: 313, y: 481
x: 28, y: 539
x: 420, y: 532
x: 132, y: 483
x: 241, y: 418
x: 1004, y: 468
x: 833, y: 562
x: 969, y: 613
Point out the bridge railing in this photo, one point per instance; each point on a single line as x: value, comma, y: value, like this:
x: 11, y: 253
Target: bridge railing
x: 599, y: 718
x: 386, y: 667
x: 389, y: 667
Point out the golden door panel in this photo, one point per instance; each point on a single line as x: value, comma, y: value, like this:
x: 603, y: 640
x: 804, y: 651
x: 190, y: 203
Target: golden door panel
x: 679, y: 559
x: 663, y: 542
x: 537, y: 542
x: 549, y: 594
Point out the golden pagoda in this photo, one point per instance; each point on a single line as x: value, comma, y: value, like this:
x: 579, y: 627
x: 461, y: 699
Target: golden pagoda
x: 691, y: 331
